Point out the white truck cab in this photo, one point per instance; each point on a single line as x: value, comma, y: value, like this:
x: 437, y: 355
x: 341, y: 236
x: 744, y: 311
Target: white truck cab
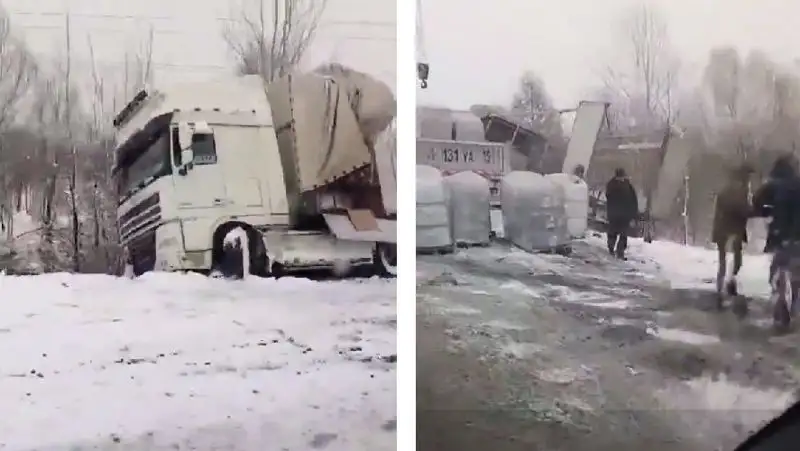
x: 198, y: 160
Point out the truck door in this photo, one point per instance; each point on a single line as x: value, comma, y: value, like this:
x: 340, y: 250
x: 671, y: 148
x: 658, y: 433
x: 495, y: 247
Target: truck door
x: 201, y: 186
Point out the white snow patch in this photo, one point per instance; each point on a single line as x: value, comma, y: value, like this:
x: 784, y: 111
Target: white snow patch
x: 459, y: 310
x: 695, y: 267
x: 170, y: 356
x: 521, y: 288
x: 683, y: 336
x: 504, y: 325
x: 591, y: 298
x: 558, y: 375
x: 521, y: 351
x: 620, y: 304
x: 618, y: 321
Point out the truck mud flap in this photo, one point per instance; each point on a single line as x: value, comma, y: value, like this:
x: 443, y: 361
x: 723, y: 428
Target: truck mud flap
x: 357, y: 225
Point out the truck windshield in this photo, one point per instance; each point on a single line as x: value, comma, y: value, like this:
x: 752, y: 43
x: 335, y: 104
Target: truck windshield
x: 146, y: 168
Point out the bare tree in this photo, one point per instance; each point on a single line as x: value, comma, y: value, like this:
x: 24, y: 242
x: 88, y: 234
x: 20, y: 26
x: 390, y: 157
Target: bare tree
x: 73, y: 176
x: 17, y: 69
x: 648, y: 81
x: 532, y: 103
x: 273, y: 40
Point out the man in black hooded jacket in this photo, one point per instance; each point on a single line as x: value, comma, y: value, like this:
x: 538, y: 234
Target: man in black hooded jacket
x: 779, y: 199
x: 622, y: 207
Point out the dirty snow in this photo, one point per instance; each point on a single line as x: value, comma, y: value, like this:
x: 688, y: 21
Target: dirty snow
x: 592, y: 331
x: 696, y: 267
x: 171, y: 361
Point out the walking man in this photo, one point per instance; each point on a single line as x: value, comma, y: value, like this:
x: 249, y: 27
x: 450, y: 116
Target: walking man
x: 622, y: 207
x: 729, y: 230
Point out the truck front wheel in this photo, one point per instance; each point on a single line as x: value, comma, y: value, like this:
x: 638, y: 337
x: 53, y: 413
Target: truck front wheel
x: 239, y: 251
x: 384, y: 259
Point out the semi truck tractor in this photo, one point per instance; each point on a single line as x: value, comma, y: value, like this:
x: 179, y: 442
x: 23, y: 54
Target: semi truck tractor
x: 299, y: 167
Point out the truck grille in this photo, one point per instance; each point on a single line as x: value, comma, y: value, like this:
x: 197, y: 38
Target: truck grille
x: 137, y: 230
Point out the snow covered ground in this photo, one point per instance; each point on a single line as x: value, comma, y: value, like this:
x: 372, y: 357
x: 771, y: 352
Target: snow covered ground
x: 588, y: 342
x: 695, y: 267
x: 171, y: 361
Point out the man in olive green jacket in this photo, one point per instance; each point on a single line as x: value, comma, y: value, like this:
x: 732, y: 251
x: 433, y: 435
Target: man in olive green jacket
x: 729, y: 230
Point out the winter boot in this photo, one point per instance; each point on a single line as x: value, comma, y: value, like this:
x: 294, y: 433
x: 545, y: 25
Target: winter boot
x: 732, y: 287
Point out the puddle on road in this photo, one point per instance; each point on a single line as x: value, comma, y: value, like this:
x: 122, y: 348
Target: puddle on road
x: 683, y: 336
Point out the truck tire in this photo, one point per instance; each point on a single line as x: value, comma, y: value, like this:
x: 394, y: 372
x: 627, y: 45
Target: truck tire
x: 229, y: 258
x: 384, y: 259
x: 231, y: 264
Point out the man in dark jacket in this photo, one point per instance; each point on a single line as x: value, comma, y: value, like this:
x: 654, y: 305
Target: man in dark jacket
x: 622, y: 207
x: 779, y: 199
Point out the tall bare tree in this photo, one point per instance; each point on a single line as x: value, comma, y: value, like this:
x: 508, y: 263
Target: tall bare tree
x: 648, y: 80
x: 533, y: 104
x: 18, y: 69
x: 272, y: 40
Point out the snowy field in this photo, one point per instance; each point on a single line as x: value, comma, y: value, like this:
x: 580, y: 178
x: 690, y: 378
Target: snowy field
x: 181, y: 362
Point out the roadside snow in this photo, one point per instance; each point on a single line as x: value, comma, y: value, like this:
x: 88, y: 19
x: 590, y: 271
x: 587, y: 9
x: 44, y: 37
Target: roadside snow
x: 695, y: 267
x: 167, y: 361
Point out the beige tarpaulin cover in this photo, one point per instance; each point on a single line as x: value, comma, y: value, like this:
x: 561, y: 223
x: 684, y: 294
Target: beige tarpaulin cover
x: 324, y: 123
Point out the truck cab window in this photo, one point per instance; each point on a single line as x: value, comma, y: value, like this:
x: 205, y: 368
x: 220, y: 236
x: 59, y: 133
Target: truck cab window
x: 204, y: 147
x: 149, y: 165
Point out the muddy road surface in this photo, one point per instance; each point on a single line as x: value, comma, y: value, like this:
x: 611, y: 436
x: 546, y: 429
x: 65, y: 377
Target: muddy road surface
x: 543, y: 352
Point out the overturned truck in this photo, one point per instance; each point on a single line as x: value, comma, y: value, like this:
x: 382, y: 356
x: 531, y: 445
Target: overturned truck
x: 301, y: 166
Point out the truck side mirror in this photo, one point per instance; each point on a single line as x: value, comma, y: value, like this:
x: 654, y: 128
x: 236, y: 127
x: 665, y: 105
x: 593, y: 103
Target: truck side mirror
x: 187, y: 159
x: 185, y: 134
x: 187, y: 156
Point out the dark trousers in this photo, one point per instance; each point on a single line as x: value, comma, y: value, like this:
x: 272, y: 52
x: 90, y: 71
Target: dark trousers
x: 618, y: 237
x: 736, y: 243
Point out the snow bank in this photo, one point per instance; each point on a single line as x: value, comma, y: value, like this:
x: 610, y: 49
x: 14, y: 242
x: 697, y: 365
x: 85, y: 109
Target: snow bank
x: 168, y: 360
x: 696, y: 267
x: 433, y: 225
x: 469, y: 206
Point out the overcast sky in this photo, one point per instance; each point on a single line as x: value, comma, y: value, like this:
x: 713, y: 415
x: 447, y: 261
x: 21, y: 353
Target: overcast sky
x: 360, y: 33
x: 477, y: 53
